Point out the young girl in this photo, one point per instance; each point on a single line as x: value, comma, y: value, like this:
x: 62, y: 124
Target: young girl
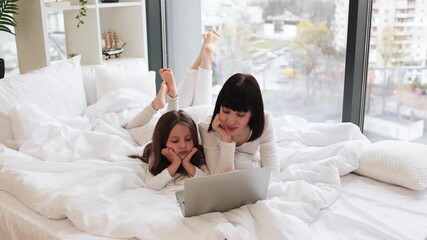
x: 175, y: 151
x: 239, y: 135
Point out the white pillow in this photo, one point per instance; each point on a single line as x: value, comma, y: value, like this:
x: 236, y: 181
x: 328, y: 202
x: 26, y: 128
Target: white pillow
x: 126, y: 64
x: 397, y: 162
x: 57, y: 89
x: 110, y: 79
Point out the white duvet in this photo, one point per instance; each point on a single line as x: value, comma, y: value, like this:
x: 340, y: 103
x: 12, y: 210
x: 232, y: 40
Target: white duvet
x: 78, y: 168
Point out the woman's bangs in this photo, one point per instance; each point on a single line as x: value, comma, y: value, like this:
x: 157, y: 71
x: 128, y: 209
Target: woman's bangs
x: 237, y: 103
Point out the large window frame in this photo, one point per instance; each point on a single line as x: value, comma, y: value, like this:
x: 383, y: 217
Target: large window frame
x: 357, y: 53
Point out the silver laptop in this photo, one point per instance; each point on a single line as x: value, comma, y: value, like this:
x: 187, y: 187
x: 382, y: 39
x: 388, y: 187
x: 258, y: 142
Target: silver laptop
x: 223, y: 192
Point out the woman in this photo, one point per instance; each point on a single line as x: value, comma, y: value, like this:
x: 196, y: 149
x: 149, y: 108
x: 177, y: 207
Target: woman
x: 240, y: 135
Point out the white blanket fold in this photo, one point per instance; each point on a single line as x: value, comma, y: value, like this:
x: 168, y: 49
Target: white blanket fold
x: 78, y: 168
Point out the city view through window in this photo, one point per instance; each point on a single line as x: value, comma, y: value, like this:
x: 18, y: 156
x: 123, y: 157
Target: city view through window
x: 296, y: 50
x: 396, y: 104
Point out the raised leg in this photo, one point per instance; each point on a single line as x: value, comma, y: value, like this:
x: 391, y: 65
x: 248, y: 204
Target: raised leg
x: 196, y: 86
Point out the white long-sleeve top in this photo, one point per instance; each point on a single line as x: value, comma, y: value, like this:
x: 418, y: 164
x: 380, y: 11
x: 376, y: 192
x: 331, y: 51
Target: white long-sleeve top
x: 164, y: 179
x: 224, y: 157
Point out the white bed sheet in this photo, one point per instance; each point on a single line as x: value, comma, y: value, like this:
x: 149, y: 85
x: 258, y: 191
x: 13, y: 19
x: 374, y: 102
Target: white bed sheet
x: 370, y: 209
x: 18, y: 222
x: 366, y: 209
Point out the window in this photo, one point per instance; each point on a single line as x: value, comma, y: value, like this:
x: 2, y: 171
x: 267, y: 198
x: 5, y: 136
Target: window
x: 384, y: 95
x: 396, y: 100
x: 9, y: 54
x: 295, y: 49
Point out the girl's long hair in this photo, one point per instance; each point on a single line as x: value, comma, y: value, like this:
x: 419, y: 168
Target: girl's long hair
x: 160, y: 136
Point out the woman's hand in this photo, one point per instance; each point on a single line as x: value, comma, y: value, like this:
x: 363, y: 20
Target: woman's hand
x: 219, y: 128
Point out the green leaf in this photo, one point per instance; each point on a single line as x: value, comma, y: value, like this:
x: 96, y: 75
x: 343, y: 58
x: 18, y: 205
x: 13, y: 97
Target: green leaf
x: 7, y: 9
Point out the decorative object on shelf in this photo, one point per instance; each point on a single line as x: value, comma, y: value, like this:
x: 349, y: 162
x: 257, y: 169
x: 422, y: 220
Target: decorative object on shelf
x: 111, y: 44
x: 82, y: 12
x: 7, y: 9
x: 109, y: 1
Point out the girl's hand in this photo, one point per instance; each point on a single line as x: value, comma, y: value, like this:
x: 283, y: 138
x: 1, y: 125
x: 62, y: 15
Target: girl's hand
x: 219, y: 128
x: 188, y: 166
x: 171, y: 155
x: 187, y: 158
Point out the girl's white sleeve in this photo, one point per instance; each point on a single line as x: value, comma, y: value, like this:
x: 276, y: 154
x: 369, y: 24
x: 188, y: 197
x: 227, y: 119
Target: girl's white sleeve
x: 219, y: 155
x: 159, y: 181
x: 268, y: 147
x: 202, y: 171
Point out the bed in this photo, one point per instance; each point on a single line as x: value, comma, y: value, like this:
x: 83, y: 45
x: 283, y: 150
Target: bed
x: 65, y: 174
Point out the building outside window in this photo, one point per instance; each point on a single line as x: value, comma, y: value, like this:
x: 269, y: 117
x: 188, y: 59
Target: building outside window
x: 396, y: 104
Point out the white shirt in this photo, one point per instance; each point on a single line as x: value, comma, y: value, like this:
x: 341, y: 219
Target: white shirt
x: 164, y: 179
x: 224, y: 157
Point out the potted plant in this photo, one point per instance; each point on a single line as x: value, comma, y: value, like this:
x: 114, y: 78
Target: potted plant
x: 7, y: 9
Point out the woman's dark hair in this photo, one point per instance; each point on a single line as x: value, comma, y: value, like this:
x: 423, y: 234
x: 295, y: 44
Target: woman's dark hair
x: 160, y: 136
x: 241, y: 93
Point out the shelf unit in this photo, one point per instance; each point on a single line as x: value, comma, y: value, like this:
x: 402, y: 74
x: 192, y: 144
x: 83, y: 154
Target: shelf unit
x: 126, y: 17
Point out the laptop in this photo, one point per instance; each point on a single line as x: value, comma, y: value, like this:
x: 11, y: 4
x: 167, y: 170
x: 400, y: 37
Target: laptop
x: 223, y: 192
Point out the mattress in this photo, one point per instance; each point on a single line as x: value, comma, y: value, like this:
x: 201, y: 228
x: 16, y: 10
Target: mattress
x: 370, y: 209
x: 366, y: 209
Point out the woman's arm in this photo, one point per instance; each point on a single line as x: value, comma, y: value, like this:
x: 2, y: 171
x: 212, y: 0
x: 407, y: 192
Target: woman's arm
x: 268, y: 147
x: 219, y: 155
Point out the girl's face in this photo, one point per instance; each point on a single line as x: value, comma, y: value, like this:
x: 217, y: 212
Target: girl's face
x: 180, y: 140
x: 235, y: 123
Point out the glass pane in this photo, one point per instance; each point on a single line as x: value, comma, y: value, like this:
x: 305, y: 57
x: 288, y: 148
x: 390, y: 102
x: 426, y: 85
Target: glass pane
x: 295, y: 49
x: 56, y: 35
x: 396, y: 104
x: 9, y: 54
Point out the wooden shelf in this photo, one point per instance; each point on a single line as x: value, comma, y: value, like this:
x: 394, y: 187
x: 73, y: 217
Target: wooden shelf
x: 126, y: 17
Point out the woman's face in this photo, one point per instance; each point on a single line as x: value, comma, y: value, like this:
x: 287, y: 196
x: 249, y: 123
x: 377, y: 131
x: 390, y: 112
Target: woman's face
x: 180, y: 140
x: 235, y: 123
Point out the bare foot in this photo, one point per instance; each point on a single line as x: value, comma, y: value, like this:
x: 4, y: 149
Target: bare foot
x: 159, y: 101
x: 168, y: 78
x: 210, y: 41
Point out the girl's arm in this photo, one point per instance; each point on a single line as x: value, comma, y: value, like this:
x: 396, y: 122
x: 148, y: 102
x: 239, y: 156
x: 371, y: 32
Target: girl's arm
x: 159, y: 181
x: 219, y: 155
x: 202, y: 171
x: 268, y: 147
